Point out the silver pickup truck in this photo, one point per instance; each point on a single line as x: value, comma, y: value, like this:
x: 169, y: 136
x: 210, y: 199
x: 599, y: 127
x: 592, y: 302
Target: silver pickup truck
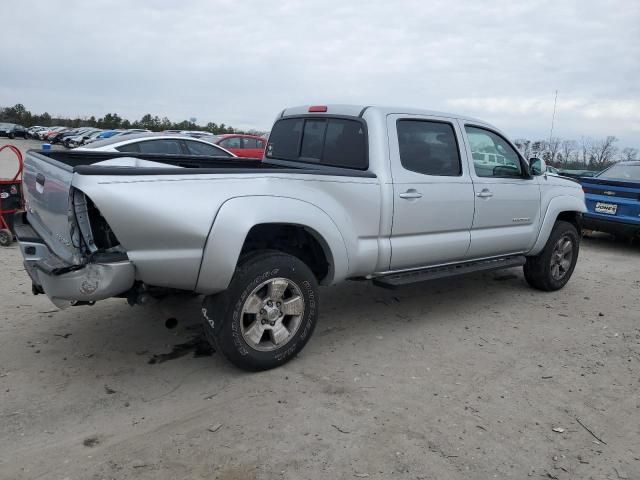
x: 393, y: 195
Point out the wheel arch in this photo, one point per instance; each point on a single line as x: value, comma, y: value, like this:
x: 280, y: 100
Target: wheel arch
x: 245, y: 224
x: 565, y: 207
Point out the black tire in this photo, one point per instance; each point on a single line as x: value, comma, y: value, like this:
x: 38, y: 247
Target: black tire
x: 6, y: 237
x: 545, y: 271
x: 227, y: 324
x: 11, y: 136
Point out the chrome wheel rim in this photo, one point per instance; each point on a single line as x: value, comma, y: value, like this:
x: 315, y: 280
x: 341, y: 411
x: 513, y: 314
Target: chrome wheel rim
x: 272, y: 314
x: 561, y: 257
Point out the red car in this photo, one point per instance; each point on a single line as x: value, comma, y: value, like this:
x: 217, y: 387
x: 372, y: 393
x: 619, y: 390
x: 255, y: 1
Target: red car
x: 246, y: 146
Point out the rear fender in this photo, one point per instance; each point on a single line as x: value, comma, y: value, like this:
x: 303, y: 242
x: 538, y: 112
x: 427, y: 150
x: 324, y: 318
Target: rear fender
x: 238, y: 215
x: 557, y: 205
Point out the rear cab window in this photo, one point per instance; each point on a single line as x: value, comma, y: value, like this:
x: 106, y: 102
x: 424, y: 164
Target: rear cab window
x: 331, y: 141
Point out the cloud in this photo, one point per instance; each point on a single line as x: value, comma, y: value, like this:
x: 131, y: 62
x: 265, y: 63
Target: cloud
x: 587, y: 109
x: 242, y: 62
x: 579, y: 116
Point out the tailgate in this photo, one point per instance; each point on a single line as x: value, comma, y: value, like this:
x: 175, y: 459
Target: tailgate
x: 47, y: 190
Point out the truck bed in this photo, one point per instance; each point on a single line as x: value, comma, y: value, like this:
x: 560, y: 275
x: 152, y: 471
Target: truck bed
x: 84, y: 162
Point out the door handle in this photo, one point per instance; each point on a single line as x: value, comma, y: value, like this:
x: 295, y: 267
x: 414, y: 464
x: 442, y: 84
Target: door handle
x: 409, y: 194
x: 485, y: 193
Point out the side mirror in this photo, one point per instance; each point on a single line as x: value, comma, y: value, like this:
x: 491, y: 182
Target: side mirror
x: 537, y: 166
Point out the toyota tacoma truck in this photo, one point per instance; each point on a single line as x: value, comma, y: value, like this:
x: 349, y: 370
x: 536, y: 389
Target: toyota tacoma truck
x: 391, y: 195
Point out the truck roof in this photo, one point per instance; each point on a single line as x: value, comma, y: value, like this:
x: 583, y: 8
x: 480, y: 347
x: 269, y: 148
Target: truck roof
x: 358, y: 110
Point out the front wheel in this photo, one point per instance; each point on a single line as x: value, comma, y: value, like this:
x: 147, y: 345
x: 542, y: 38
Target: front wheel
x: 267, y: 314
x: 552, y: 268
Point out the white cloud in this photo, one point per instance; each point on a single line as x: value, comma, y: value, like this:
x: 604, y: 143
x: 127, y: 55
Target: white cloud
x: 628, y: 109
x: 574, y: 116
x: 242, y: 62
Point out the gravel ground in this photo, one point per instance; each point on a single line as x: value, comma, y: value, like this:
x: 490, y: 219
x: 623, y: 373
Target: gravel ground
x: 8, y: 163
x: 469, y: 378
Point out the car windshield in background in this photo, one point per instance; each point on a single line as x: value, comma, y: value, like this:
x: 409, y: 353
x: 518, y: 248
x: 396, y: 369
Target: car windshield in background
x: 622, y: 172
x: 335, y: 142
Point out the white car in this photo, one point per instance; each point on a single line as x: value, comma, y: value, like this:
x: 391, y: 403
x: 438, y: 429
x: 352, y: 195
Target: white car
x: 132, y: 131
x: 82, y: 138
x: 197, y: 133
x: 154, y: 143
x: 42, y: 134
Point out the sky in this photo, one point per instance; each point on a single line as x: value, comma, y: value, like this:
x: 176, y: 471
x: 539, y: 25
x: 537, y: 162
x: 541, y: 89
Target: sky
x: 241, y: 62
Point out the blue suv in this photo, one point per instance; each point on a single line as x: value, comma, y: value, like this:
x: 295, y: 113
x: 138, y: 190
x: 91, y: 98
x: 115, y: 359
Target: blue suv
x: 613, y: 200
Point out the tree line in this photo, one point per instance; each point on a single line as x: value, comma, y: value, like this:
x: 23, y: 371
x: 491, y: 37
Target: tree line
x: 20, y: 115
x: 586, y: 154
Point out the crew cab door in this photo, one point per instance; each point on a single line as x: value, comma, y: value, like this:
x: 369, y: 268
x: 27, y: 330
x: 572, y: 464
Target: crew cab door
x: 433, y: 193
x: 507, y: 198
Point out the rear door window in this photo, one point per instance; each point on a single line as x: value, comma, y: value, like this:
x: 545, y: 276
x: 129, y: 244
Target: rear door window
x: 130, y: 147
x: 249, y: 143
x: 201, y: 148
x: 429, y: 148
x: 165, y: 146
x: 233, y: 142
x: 336, y: 142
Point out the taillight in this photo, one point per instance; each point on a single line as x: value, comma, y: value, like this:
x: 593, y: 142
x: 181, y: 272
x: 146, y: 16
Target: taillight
x: 318, y: 108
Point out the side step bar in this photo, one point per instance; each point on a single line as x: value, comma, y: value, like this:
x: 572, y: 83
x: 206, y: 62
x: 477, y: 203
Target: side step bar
x: 393, y: 280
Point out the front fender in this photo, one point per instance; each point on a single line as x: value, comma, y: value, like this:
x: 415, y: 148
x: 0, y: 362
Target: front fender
x: 557, y: 205
x: 238, y: 215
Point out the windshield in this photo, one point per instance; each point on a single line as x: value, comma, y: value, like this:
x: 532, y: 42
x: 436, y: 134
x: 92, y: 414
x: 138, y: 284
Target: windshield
x: 622, y: 172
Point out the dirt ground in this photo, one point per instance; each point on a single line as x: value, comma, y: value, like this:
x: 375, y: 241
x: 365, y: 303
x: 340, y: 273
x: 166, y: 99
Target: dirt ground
x: 469, y: 378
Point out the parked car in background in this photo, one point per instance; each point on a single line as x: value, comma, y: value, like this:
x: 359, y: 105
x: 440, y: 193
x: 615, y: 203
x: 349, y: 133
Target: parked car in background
x: 108, y: 134
x: 131, y: 131
x: 39, y: 134
x: 577, y: 173
x: 83, y: 139
x: 613, y: 200
x: 197, y: 134
x: 32, y: 131
x: 246, y: 146
x: 53, y: 134
x: 46, y: 133
x: 12, y: 130
x: 154, y: 143
x: 61, y: 136
x: 76, y: 138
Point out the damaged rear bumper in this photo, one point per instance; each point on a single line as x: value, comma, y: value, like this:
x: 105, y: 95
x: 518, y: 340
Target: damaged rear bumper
x: 107, y: 275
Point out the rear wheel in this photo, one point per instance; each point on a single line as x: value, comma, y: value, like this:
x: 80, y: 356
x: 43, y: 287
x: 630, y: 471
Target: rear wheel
x: 267, y: 314
x: 553, y: 267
